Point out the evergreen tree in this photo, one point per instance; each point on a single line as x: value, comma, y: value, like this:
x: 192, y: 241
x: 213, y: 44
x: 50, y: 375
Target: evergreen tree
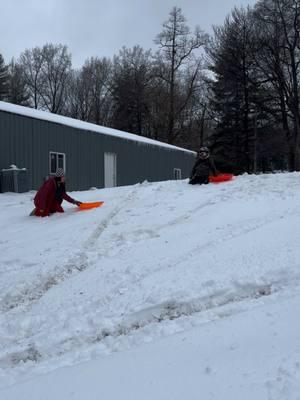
x: 17, y: 90
x: 235, y: 90
x: 131, y: 87
x: 3, y: 79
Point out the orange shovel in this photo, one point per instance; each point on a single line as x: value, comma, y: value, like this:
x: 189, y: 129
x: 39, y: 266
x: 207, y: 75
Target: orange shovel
x: 88, y: 206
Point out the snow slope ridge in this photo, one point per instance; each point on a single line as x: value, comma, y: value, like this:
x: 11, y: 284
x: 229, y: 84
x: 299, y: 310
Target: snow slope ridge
x: 157, y: 259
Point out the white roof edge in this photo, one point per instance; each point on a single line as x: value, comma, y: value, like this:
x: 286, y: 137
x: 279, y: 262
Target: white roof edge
x: 77, y: 124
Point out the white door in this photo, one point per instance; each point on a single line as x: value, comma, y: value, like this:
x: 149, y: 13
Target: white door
x: 110, y: 170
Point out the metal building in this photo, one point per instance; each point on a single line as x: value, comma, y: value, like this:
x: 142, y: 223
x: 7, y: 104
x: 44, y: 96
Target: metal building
x: 91, y: 155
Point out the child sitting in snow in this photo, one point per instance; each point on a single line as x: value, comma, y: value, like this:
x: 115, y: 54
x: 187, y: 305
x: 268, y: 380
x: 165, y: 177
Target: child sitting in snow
x: 203, y: 168
x: 50, y: 196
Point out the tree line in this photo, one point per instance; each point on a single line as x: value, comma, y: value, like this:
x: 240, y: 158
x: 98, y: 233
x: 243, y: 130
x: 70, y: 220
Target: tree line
x: 236, y: 91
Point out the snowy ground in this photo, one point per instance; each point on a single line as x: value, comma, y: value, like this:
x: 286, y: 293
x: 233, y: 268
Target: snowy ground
x: 168, y: 291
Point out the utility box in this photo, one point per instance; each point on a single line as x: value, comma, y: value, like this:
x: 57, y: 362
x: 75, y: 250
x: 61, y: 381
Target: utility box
x: 14, y: 179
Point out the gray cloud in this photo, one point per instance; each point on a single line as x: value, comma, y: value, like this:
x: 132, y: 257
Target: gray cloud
x: 99, y: 27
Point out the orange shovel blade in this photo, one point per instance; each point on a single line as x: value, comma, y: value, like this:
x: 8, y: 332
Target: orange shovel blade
x: 87, y: 206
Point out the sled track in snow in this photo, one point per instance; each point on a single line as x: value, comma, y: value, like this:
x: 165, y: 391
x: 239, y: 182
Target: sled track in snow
x: 236, y: 230
x: 78, y: 263
x: 172, y: 310
x: 162, y: 313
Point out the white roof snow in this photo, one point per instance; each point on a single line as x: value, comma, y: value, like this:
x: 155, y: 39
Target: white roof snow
x: 77, y: 124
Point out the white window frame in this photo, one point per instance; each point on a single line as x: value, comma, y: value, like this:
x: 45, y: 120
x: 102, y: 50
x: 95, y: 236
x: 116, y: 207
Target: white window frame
x: 57, y: 154
x: 177, y: 174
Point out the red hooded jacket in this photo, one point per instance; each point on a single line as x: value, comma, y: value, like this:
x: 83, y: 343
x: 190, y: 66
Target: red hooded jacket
x: 48, y: 196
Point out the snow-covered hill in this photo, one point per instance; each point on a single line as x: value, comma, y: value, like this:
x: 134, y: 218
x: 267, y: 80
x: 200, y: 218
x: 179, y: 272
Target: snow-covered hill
x: 166, y: 292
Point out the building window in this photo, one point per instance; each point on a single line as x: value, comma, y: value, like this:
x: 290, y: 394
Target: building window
x: 177, y: 173
x: 57, y: 160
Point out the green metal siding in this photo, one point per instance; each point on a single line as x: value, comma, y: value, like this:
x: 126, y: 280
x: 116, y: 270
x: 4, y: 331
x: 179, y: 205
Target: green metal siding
x: 26, y: 142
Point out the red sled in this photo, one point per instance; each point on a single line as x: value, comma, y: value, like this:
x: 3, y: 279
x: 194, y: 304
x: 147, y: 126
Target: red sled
x: 221, y: 178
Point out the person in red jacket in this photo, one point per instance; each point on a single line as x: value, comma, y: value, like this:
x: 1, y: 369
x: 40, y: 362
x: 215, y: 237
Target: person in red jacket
x: 50, y: 196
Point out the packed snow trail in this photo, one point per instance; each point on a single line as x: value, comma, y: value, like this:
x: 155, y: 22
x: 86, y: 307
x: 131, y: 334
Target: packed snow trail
x: 156, y: 259
x: 252, y: 351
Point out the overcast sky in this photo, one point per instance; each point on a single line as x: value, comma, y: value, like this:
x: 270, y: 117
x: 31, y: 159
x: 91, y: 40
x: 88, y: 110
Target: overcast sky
x: 98, y: 27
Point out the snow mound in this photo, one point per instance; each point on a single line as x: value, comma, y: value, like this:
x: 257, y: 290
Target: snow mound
x: 157, y: 260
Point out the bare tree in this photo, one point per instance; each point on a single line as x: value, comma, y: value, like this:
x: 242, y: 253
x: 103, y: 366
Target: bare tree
x: 89, y: 97
x: 31, y: 63
x: 177, y: 46
x: 77, y: 104
x: 98, y: 73
x: 55, y: 70
x: 279, y: 58
x: 289, y: 14
x: 46, y: 71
